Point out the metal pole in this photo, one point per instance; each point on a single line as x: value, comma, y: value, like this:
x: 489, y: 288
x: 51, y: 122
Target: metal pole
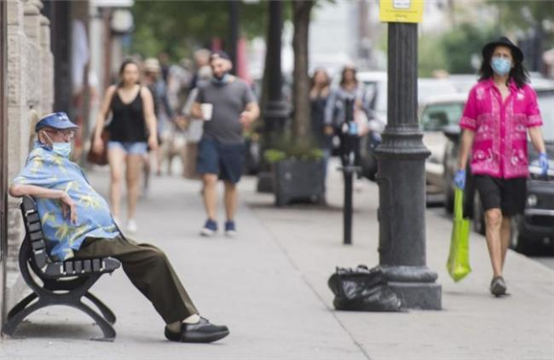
x: 349, y: 135
x: 348, y: 179
x: 401, y: 180
x: 233, y: 32
x: 275, y: 111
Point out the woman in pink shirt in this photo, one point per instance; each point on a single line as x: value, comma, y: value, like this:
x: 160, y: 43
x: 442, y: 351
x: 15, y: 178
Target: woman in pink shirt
x: 501, y: 110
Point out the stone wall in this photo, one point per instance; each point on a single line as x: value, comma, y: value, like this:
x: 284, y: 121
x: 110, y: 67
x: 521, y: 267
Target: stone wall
x: 30, y: 94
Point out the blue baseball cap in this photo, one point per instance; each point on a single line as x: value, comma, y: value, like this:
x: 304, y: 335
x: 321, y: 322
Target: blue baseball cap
x: 58, y: 120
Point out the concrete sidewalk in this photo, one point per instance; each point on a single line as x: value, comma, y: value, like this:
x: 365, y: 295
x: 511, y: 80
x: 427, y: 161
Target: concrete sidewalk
x: 269, y: 286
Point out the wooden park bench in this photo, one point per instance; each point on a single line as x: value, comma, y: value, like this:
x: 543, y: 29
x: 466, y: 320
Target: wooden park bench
x: 63, y: 283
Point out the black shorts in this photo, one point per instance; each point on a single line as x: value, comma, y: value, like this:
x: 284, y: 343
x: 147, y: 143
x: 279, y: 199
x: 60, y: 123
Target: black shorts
x: 508, y: 195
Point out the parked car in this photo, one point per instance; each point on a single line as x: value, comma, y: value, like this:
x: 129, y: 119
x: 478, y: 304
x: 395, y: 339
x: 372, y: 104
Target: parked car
x: 436, y: 113
x: 375, y: 86
x: 536, y: 225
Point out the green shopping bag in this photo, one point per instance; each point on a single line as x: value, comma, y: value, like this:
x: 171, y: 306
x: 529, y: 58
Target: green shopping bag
x: 458, y: 260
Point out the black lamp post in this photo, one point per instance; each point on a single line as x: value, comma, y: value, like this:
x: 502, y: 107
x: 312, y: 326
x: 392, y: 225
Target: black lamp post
x: 275, y: 111
x: 233, y: 32
x: 401, y: 180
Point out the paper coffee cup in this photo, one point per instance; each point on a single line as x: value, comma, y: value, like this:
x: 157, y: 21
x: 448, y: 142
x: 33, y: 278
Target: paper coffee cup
x: 207, y: 110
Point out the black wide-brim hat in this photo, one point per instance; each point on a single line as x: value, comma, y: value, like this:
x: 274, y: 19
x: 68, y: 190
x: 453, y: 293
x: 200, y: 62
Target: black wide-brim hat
x: 502, y: 41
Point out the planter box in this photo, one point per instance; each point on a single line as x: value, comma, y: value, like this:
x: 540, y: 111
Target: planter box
x: 297, y: 180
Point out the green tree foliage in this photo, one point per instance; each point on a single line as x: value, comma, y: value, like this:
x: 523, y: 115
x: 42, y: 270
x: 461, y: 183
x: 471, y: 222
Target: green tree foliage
x: 460, y: 44
x: 517, y: 14
x: 176, y: 27
x: 430, y: 55
x: 453, y: 50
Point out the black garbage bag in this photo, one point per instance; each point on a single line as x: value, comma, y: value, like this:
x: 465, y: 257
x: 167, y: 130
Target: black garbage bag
x: 362, y: 289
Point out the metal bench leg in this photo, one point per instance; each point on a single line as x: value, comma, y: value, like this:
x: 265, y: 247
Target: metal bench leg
x: 107, y: 329
x: 104, y: 309
x: 18, y: 317
x: 21, y: 305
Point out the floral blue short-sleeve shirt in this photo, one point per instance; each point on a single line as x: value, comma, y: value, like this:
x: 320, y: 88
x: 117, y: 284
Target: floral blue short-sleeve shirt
x: 47, y: 169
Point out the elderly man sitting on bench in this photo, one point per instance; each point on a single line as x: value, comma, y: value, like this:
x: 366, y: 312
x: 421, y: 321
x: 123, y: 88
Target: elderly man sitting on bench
x: 77, y: 223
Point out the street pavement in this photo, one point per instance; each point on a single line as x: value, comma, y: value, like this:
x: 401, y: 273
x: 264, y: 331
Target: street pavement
x: 269, y: 285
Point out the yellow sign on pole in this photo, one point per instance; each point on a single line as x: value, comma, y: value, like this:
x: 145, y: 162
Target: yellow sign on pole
x: 405, y: 11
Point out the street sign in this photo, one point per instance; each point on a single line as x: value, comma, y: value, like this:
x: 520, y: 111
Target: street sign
x: 404, y: 11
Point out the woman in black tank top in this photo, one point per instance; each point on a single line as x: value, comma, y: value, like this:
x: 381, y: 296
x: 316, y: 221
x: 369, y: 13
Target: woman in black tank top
x: 132, y: 128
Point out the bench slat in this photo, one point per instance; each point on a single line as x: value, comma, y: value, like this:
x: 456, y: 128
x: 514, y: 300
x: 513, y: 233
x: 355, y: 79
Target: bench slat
x: 68, y: 267
x: 37, y: 245
x: 95, y: 265
x: 87, y: 266
x: 40, y: 258
x: 34, y: 236
x: 34, y: 227
x: 78, y: 266
x: 32, y: 218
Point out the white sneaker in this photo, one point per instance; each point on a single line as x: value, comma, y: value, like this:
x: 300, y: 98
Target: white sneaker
x: 132, y: 226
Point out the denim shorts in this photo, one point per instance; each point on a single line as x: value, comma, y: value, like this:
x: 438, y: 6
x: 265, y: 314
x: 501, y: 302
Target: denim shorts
x: 133, y: 148
x: 224, y: 160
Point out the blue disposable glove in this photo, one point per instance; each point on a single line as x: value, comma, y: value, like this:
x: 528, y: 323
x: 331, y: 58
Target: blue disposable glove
x: 460, y: 179
x: 543, y: 163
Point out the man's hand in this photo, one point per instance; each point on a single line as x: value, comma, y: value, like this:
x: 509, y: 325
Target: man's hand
x: 328, y: 130
x: 460, y: 179
x: 246, y: 119
x: 69, y: 210
x: 543, y: 163
x: 153, y: 142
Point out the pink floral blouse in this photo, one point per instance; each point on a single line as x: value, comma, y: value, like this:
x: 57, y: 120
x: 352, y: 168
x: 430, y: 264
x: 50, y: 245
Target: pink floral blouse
x: 500, y: 142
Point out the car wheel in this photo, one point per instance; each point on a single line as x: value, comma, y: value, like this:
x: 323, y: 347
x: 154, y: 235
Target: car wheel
x: 478, y: 215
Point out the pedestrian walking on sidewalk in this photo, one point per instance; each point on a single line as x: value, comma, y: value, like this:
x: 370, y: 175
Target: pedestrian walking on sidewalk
x: 77, y: 223
x: 228, y: 106
x: 500, y: 112
x: 164, y: 116
x: 336, y: 114
x: 319, y: 94
x: 132, y: 109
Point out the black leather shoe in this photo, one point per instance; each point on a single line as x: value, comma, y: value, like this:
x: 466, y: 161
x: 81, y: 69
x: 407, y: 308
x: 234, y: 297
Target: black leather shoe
x: 201, y: 332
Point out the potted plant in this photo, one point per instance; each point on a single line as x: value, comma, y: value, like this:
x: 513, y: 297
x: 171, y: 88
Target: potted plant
x: 298, y: 172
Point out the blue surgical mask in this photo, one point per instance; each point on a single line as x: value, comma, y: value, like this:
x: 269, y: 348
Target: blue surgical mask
x: 63, y: 149
x: 501, y: 66
x: 221, y: 81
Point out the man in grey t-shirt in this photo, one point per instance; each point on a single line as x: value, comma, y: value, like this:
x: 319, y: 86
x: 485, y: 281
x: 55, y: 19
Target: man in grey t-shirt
x: 228, y: 106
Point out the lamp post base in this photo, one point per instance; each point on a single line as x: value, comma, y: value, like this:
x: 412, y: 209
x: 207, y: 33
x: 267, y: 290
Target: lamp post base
x: 422, y: 296
x: 415, y: 286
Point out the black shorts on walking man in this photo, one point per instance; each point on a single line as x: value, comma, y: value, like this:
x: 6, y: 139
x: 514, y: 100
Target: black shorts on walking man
x: 228, y: 107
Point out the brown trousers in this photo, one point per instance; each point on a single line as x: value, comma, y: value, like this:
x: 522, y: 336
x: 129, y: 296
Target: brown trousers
x: 149, y: 270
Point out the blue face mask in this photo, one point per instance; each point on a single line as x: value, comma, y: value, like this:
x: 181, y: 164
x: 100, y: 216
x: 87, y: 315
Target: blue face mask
x: 221, y: 81
x: 63, y: 149
x: 501, y: 66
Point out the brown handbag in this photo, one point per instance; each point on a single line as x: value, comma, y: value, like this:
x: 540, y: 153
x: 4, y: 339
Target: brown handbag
x: 100, y: 158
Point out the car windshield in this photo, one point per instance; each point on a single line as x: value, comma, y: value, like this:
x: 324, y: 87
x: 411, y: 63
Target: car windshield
x: 426, y: 88
x: 546, y: 105
x: 436, y: 116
